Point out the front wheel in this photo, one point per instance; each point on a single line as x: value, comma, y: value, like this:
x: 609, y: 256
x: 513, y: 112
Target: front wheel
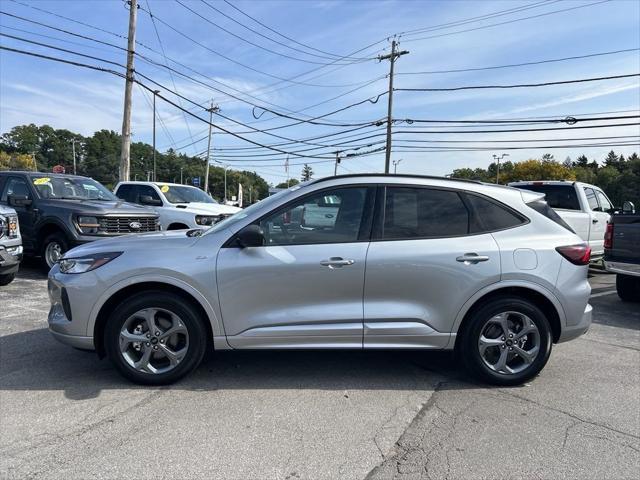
x: 155, y: 338
x: 6, y: 279
x: 53, y: 248
x: 506, y: 342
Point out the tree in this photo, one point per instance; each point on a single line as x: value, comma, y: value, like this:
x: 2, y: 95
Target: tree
x: 582, y: 161
x: 16, y: 161
x: 540, y: 170
x: 307, y: 173
x: 291, y: 183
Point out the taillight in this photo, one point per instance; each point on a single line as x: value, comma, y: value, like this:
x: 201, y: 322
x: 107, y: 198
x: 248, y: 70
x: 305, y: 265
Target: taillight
x: 608, y: 236
x: 577, y: 254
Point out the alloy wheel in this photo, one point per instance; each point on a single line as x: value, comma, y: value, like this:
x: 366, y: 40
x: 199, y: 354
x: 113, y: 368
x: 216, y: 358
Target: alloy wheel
x: 154, y: 340
x: 509, y: 342
x: 52, y: 253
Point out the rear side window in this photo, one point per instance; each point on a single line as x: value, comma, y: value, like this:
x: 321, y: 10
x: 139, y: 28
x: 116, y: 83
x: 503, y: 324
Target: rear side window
x: 423, y: 213
x: 488, y: 216
x: 127, y: 193
x: 591, y: 199
x: 557, y: 196
x: 543, y: 208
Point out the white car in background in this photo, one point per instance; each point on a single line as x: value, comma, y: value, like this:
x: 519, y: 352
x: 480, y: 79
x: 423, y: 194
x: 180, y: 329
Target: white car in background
x: 179, y: 206
x: 584, y: 207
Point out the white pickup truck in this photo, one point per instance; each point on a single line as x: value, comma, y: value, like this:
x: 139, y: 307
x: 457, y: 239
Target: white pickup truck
x: 179, y: 206
x: 584, y: 207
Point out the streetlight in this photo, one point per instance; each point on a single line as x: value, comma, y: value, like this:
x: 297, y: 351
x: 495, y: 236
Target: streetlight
x: 498, y: 158
x: 73, y: 149
x: 395, y: 165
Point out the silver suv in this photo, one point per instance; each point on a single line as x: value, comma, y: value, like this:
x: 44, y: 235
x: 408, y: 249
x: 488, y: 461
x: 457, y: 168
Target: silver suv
x: 358, y: 261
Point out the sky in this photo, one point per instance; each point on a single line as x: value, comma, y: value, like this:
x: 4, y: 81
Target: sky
x: 299, y: 61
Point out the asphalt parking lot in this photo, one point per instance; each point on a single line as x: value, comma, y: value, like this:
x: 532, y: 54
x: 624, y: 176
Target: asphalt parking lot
x: 66, y: 414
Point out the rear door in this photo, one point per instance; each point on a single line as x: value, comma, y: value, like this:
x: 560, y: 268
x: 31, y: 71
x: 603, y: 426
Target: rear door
x: 428, y: 256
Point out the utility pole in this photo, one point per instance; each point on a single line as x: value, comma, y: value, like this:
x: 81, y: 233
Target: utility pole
x: 498, y: 158
x: 181, y: 183
x: 225, y: 183
x: 35, y: 162
x: 392, y: 60
x: 126, y: 118
x: 206, y: 171
x: 73, y: 149
x: 335, y: 168
x: 155, y: 92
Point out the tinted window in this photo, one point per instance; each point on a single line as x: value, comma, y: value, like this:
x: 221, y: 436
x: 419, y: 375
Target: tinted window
x: 423, y: 213
x: 127, y: 193
x: 557, y: 196
x: 543, y: 208
x: 487, y: 216
x: 334, y: 216
x: 148, y: 191
x: 605, y: 204
x: 15, y: 186
x: 71, y: 188
x: 591, y: 199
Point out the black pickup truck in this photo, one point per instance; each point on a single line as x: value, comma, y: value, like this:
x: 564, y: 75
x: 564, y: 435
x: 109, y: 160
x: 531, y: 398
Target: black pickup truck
x: 58, y: 212
x: 622, y: 252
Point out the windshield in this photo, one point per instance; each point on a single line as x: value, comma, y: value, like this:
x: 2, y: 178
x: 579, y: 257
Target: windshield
x: 71, y: 188
x: 185, y: 194
x: 256, y: 207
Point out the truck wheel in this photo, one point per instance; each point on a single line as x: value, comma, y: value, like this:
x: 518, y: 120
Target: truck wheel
x: 506, y: 342
x: 628, y: 288
x: 53, y: 248
x: 155, y: 338
x: 6, y: 279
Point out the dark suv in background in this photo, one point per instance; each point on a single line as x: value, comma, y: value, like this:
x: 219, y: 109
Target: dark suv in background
x: 58, y: 212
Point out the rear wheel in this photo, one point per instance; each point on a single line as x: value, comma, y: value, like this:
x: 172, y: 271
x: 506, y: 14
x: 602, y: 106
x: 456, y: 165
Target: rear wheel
x: 506, y: 342
x: 155, y: 338
x: 628, y: 288
x: 6, y: 279
x: 53, y: 248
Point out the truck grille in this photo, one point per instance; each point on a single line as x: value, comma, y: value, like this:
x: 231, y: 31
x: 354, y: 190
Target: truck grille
x: 121, y: 225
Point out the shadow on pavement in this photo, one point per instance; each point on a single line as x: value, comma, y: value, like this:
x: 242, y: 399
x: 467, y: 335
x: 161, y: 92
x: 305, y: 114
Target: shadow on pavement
x: 33, y: 360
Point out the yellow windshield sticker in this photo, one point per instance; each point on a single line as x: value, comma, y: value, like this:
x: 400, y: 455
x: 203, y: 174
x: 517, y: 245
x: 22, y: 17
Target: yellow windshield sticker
x: 164, y: 188
x: 41, y: 180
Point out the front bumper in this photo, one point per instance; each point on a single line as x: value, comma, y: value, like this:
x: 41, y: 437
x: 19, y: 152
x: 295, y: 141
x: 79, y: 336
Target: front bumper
x: 10, y: 260
x: 569, y: 332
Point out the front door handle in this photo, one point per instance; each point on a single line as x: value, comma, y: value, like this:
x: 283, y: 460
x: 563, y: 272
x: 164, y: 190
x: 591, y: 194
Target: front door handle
x: 595, y: 220
x: 472, y: 258
x: 337, y: 262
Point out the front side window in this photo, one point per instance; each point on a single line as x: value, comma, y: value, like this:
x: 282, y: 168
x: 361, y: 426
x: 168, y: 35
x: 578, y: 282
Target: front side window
x: 423, y: 213
x: 127, y: 193
x: 605, y: 204
x: 15, y: 186
x: 591, y: 199
x: 334, y: 216
x: 146, y: 191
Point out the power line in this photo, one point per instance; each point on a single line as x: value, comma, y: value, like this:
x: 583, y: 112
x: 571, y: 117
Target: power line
x: 523, y: 85
x: 539, y: 62
x: 520, y: 129
x: 529, y: 147
x: 568, y: 120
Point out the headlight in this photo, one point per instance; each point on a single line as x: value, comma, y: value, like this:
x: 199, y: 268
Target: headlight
x: 205, y: 220
x: 13, y: 227
x: 86, y: 263
x: 88, y: 225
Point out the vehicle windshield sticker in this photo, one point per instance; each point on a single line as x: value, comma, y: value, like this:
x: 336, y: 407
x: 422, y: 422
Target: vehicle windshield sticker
x: 164, y: 188
x: 41, y: 180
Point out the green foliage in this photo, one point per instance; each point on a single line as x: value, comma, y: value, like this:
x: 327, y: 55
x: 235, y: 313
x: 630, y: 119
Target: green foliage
x: 98, y: 156
x: 619, y: 177
x: 307, y: 173
x: 291, y: 183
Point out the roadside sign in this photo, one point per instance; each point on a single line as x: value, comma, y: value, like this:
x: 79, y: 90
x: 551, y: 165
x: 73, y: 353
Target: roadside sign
x: 196, y: 181
x: 58, y: 169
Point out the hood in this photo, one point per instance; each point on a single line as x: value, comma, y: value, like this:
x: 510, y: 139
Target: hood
x: 202, y: 208
x: 138, y: 241
x: 7, y: 210
x: 98, y: 207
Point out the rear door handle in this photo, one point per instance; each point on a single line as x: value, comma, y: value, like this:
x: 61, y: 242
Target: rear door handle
x: 472, y: 258
x: 337, y: 262
x: 595, y: 220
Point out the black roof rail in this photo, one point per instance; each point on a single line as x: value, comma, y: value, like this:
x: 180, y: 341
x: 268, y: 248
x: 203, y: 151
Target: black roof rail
x: 395, y: 175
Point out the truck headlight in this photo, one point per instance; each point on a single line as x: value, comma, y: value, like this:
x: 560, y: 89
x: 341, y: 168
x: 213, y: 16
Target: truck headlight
x: 13, y: 227
x: 205, y: 220
x: 88, y: 225
x: 87, y: 262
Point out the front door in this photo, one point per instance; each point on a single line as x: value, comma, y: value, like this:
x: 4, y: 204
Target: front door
x: 16, y: 185
x: 598, y: 221
x: 304, y: 287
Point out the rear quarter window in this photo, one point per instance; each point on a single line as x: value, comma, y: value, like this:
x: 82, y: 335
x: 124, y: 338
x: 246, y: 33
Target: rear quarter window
x: 488, y: 216
x: 543, y: 208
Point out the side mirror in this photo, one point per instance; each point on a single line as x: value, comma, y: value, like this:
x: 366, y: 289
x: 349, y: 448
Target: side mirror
x: 628, y: 208
x: 149, y: 200
x: 19, y: 200
x: 251, y: 236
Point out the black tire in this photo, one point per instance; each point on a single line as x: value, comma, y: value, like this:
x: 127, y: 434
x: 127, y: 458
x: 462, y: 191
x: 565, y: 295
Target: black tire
x: 469, y: 353
x: 167, y: 301
x: 628, y: 288
x: 6, y: 279
x: 57, y: 238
